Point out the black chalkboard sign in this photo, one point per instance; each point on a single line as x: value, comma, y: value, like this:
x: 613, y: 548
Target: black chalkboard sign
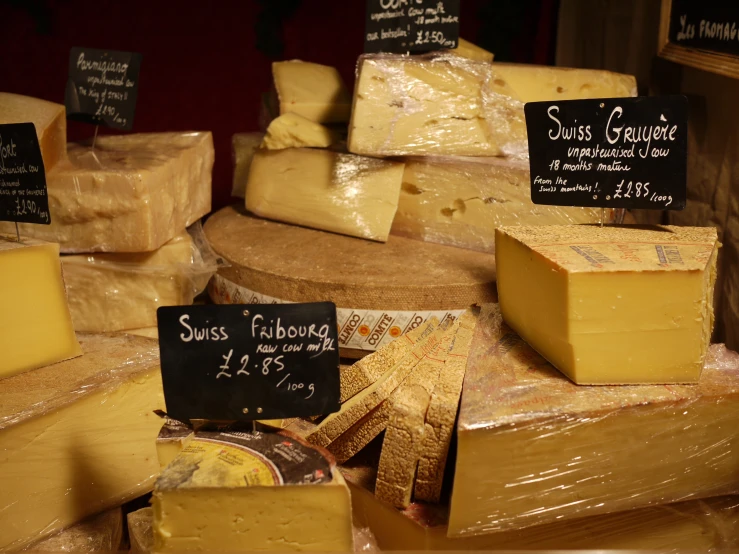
x: 613, y: 152
x: 434, y: 24
x: 705, y: 25
x: 387, y: 27
x: 23, y: 195
x: 249, y: 361
x: 102, y: 87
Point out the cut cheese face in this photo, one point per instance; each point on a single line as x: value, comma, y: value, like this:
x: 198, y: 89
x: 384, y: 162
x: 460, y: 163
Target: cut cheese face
x: 235, y: 492
x: 50, y: 120
x: 291, y: 130
x: 613, y: 305
x: 78, y: 437
x: 449, y: 105
x: 132, y: 193
x: 243, y: 148
x: 471, y: 51
x: 100, y: 533
x: 311, y: 90
x: 341, y: 193
x: 555, y: 451
x: 36, y: 328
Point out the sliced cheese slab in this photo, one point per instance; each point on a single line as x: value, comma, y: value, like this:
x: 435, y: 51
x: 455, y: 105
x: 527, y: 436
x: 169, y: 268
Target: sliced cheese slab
x: 614, y: 305
x: 132, y: 193
x: 78, y: 437
x: 466, y: 49
x: 359, y: 435
x: 291, y: 130
x: 311, y: 90
x: 100, y: 533
x: 556, y: 451
x: 35, y: 327
x: 243, y: 148
x: 50, y: 120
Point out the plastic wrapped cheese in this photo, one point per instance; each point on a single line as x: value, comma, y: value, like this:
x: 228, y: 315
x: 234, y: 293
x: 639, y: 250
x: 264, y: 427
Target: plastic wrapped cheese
x: 100, y: 533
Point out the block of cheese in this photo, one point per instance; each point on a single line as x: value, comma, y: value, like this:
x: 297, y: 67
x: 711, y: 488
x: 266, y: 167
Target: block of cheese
x: 611, y: 305
x: 554, y: 450
x: 35, y: 327
x: 251, y: 491
x: 132, y: 193
x: 50, y: 120
x: 243, y: 148
x: 445, y: 104
x: 140, y: 533
x: 321, y: 189
x: 171, y: 440
x: 100, y: 533
x: 291, y: 130
x: 461, y: 201
x: 78, y: 437
x: 314, y: 91
x: 121, y: 291
x: 466, y: 49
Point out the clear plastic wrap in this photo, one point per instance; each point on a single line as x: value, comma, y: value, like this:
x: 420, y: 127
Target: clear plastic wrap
x: 100, y: 533
x: 130, y: 193
x: 78, y: 437
x: 534, y: 448
x: 114, y: 292
x: 460, y: 201
x: 140, y: 533
x: 443, y: 104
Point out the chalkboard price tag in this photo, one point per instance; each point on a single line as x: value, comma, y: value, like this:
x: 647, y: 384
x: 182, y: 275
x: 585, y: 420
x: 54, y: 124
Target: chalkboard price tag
x: 23, y: 195
x: 712, y: 26
x: 102, y: 87
x: 434, y: 24
x: 611, y: 153
x: 249, y: 361
x: 387, y: 27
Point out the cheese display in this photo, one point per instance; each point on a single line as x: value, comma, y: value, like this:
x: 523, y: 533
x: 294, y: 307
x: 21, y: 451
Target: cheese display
x: 36, y: 328
x: 321, y: 189
x: 243, y: 148
x: 234, y: 491
x: 555, y: 450
x: 613, y: 305
x: 78, y: 437
x: 311, y: 90
x: 381, y: 290
x: 468, y: 50
x: 100, y: 533
x: 448, y: 105
x: 132, y: 193
x: 461, y: 201
x: 140, y: 533
x: 50, y: 120
x: 291, y: 130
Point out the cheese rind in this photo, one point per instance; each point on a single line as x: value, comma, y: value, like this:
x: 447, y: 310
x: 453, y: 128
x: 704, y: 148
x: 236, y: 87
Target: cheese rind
x: 291, y: 130
x: 597, y: 301
x: 311, y: 90
x: 243, y: 148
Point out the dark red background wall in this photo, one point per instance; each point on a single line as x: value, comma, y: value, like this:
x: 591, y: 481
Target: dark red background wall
x: 206, y: 63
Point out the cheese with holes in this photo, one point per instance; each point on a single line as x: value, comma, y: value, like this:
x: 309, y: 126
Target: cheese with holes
x: 311, y: 90
x: 233, y: 491
x: 291, y: 130
x: 613, y: 305
x: 99, y: 533
x: 461, y: 201
x: 50, y: 120
x: 78, y: 437
x: 341, y: 193
x: 243, y: 148
x: 448, y: 105
x: 35, y: 328
x: 555, y: 450
x: 471, y: 51
x: 132, y: 193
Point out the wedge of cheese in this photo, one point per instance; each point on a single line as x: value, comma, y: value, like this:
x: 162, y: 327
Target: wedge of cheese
x: 171, y: 440
x: 251, y: 491
x: 341, y: 193
x: 243, y: 148
x: 78, y: 437
x: 132, y: 193
x: 50, y: 120
x: 449, y: 105
x: 311, y: 90
x: 35, y: 327
x: 471, y: 51
x: 291, y: 130
x: 612, y: 305
x: 99, y: 533
x: 555, y: 451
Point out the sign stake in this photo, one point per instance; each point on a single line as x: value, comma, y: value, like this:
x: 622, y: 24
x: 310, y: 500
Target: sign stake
x: 95, y: 136
x: 17, y: 234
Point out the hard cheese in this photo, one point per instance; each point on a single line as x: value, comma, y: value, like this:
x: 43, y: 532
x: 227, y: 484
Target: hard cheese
x: 50, y: 120
x: 342, y: 193
x: 449, y: 105
x: 132, y: 193
x: 78, y: 437
x: 471, y: 51
x: 311, y: 90
x: 554, y: 450
x: 99, y: 533
x: 461, y: 201
x: 243, y: 148
x: 613, y: 305
x: 233, y: 491
x: 35, y: 326
x: 291, y: 130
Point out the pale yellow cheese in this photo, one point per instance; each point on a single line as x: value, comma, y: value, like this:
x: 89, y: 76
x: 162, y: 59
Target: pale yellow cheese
x: 243, y: 148
x: 78, y: 437
x: 35, y: 325
x: 99, y: 533
x: 171, y: 440
x: 461, y: 201
x: 466, y: 49
x: 342, y: 193
x: 612, y: 305
x: 555, y: 450
x: 149, y: 332
x: 449, y: 105
x: 132, y: 193
x: 314, y: 91
x: 291, y: 130
x: 50, y: 120
x: 140, y: 533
